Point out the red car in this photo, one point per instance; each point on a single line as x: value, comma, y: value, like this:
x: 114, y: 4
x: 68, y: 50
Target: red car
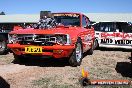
x: 70, y: 40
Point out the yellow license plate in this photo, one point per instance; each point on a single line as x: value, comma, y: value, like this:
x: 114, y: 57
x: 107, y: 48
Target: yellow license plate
x: 33, y: 49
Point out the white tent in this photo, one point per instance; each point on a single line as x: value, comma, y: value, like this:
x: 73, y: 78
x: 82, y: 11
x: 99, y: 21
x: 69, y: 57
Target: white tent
x: 19, y: 18
x: 112, y: 17
x: 97, y: 17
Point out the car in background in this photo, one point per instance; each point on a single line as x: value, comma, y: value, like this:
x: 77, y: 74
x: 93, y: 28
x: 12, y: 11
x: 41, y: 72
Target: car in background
x: 71, y: 39
x: 113, y: 35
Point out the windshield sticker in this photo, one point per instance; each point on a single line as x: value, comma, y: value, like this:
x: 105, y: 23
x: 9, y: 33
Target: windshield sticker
x: 71, y: 15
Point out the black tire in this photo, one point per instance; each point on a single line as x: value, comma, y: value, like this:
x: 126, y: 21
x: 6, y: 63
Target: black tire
x: 19, y: 58
x: 95, y: 44
x: 73, y: 58
x: 3, y: 45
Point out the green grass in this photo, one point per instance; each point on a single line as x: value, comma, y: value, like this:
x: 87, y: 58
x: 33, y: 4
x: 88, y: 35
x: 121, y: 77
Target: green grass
x: 62, y: 86
x: 51, y: 83
x: 44, y: 82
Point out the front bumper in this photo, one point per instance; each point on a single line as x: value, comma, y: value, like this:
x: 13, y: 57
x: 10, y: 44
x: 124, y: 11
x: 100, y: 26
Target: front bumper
x: 57, y: 51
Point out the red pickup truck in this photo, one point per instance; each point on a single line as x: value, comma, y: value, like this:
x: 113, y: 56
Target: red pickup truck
x: 69, y: 40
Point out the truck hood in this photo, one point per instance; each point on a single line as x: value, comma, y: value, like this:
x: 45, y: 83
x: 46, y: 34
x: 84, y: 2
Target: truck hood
x: 67, y: 30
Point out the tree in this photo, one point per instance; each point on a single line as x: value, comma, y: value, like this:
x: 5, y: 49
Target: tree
x: 2, y: 13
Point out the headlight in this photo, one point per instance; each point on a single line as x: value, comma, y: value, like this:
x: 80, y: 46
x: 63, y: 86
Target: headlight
x: 12, y: 38
x: 63, y: 39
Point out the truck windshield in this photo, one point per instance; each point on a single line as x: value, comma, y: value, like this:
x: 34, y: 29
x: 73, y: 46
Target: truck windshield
x: 68, y: 19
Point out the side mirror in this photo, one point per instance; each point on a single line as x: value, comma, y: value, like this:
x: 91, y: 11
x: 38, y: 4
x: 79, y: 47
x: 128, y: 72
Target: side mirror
x: 88, y: 27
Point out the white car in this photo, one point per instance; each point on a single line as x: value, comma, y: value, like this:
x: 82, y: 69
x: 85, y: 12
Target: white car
x: 113, y: 35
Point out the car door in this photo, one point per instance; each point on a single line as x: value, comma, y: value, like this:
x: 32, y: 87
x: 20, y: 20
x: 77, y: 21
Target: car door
x: 87, y: 36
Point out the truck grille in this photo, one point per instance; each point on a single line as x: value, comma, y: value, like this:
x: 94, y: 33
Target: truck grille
x: 41, y: 40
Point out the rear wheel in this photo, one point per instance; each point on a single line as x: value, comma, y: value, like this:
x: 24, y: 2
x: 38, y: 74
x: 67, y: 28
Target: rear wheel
x: 77, y: 55
x: 3, y: 45
x: 95, y: 43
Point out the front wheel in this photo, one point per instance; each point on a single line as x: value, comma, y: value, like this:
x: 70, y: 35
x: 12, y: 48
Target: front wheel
x: 77, y: 55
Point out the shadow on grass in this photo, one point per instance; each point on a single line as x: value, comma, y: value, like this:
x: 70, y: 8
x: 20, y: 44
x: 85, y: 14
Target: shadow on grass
x: 114, y: 49
x: 124, y: 68
x: 43, y: 62
x: 3, y: 83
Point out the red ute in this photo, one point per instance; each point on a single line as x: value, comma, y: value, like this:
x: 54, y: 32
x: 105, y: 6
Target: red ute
x: 70, y: 39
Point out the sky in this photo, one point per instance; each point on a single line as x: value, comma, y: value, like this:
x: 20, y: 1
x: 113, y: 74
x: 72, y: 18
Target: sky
x: 84, y: 6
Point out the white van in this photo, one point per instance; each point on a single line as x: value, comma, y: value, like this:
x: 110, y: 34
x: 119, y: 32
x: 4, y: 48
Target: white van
x: 113, y: 35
